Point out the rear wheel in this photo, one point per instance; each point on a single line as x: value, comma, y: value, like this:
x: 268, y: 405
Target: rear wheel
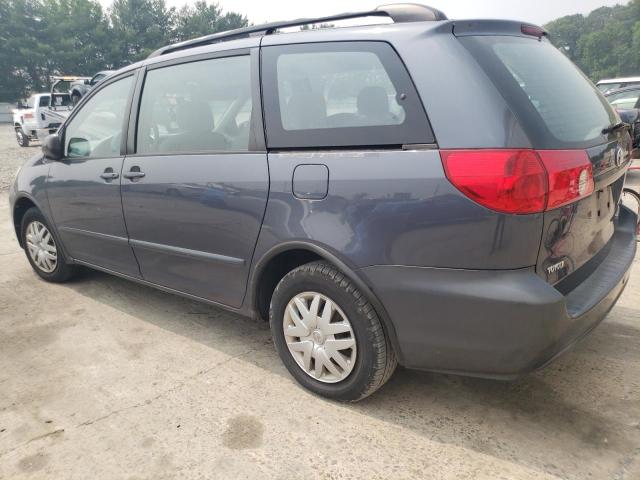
x: 75, y: 98
x: 23, y: 138
x: 328, y: 335
x: 42, y: 249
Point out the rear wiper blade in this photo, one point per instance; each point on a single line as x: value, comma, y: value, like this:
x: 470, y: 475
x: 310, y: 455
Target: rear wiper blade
x: 613, y: 128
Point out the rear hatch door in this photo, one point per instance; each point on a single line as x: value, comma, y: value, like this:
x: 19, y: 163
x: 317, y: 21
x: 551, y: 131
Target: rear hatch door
x: 560, y: 110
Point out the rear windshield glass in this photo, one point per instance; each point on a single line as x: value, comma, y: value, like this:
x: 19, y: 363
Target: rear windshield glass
x: 558, y: 106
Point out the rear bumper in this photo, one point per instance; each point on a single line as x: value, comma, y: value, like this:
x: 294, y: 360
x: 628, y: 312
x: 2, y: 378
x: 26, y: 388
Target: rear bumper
x: 498, y: 324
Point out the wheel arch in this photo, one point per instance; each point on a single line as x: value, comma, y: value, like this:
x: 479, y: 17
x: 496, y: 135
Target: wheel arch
x: 20, y: 207
x: 24, y: 202
x: 283, y: 258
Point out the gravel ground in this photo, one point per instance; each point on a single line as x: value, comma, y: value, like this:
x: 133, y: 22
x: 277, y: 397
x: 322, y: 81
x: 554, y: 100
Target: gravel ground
x: 12, y: 155
x: 102, y: 378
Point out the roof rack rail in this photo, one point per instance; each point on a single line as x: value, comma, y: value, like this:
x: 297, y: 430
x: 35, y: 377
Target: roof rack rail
x: 398, y: 12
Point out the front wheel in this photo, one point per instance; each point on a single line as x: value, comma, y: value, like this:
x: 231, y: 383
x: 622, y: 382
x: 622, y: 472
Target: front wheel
x: 42, y: 249
x: 23, y: 138
x: 328, y: 335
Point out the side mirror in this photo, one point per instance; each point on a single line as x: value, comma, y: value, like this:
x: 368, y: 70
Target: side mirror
x: 52, y: 147
x: 79, y: 147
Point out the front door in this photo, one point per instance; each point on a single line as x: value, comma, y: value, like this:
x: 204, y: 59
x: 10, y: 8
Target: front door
x: 195, y: 190
x: 84, y: 187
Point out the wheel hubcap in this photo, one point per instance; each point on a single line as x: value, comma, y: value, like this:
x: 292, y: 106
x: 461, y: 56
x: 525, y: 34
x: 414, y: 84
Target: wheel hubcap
x: 319, y: 337
x: 42, y: 247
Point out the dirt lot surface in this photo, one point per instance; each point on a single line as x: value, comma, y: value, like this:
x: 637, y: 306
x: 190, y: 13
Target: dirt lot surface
x: 12, y: 155
x: 104, y: 379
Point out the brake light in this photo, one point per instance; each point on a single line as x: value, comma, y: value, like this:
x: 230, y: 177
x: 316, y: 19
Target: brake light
x: 520, y: 181
x: 533, y: 30
x: 28, y: 115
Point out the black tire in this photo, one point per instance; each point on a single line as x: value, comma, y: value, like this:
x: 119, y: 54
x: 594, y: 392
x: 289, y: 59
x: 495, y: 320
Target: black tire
x: 75, y: 98
x: 23, y: 138
x: 635, y: 196
x: 63, y: 270
x: 375, y: 360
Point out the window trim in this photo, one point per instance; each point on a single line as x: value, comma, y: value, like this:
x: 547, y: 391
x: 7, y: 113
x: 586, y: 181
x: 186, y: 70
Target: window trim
x: 415, y: 130
x: 125, y: 118
x: 257, y: 142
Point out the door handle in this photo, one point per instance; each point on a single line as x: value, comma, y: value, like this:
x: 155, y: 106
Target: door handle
x: 133, y: 174
x: 109, y: 174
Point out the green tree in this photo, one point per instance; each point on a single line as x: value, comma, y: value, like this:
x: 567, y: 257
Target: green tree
x: 566, y: 33
x: 137, y: 28
x: 605, y: 43
x: 20, y: 62
x: 203, y: 19
x: 79, y: 52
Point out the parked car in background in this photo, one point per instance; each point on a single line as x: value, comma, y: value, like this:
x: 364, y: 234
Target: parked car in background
x: 616, y: 83
x: 627, y: 98
x: 80, y: 88
x: 42, y: 114
x: 347, y: 185
x: 626, y: 101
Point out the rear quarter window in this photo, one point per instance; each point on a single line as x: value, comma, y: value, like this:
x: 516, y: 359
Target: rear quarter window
x: 555, y: 102
x: 340, y: 94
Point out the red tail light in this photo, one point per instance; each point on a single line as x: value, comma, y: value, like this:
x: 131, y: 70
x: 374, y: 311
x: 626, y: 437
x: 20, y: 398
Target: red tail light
x: 28, y: 115
x: 520, y: 181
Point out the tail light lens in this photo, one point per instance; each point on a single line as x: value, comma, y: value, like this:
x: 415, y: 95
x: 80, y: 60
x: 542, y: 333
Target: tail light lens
x: 570, y: 176
x: 520, y: 181
x: 28, y: 115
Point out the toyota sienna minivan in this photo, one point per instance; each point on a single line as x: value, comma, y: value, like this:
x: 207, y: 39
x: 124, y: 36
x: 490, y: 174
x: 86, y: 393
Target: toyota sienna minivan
x: 440, y: 194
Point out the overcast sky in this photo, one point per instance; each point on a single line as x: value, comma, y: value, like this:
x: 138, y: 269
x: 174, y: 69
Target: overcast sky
x: 534, y: 11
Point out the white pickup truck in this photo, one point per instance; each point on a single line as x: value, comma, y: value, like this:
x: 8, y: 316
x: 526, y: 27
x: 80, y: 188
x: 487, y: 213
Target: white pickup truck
x: 44, y: 112
x: 40, y: 116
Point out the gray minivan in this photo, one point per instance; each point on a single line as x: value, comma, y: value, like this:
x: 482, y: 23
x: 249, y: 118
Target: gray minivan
x: 440, y: 194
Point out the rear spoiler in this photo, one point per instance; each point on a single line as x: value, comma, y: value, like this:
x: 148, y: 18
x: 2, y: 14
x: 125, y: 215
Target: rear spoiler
x: 466, y: 28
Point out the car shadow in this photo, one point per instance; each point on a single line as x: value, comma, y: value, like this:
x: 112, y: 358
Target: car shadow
x: 576, y: 419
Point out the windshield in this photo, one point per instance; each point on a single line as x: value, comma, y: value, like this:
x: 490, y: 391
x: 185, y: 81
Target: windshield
x: 605, y: 87
x: 624, y: 100
x: 556, y: 104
